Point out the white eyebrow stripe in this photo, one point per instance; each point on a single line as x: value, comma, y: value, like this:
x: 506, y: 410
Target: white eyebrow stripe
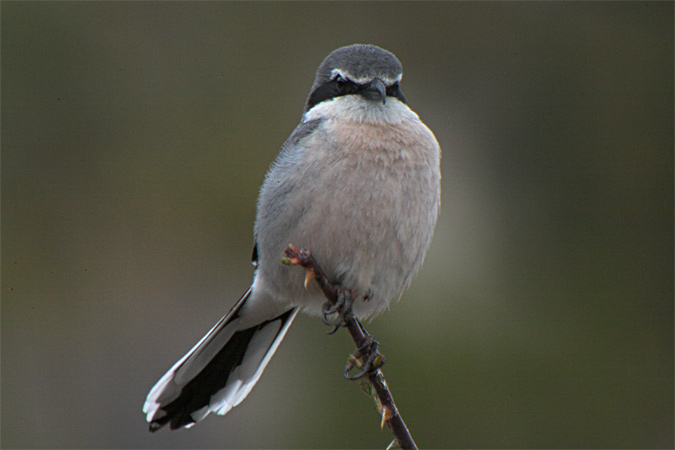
x: 363, y: 80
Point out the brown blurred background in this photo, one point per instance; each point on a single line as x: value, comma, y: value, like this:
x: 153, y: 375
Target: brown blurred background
x: 135, y: 137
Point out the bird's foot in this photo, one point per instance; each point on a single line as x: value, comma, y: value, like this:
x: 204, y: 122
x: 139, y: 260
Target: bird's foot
x: 342, y: 307
x: 367, y: 358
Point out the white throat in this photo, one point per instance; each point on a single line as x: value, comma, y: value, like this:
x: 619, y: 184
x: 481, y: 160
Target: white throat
x: 354, y: 108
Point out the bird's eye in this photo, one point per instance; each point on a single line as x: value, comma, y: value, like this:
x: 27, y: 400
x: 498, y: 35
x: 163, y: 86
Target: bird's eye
x: 345, y: 86
x: 341, y: 82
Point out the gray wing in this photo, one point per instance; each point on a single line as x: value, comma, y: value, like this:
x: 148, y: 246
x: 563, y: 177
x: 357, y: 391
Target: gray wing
x: 285, y: 159
x: 280, y: 181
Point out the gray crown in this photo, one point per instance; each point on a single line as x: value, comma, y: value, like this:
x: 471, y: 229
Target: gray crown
x: 359, y: 63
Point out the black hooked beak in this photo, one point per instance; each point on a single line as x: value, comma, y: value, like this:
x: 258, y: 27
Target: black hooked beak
x: 376, y: 90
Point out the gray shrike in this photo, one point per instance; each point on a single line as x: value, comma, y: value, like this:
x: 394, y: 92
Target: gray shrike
x: 358, y: 184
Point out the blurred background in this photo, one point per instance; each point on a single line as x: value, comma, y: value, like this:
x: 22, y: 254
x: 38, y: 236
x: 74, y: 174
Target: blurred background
x: 135, y: 137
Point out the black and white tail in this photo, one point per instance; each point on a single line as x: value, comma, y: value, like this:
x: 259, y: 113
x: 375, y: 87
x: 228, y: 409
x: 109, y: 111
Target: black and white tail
x: 220, y: 371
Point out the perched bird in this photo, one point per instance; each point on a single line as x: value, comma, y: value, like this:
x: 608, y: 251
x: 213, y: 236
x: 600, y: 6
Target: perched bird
x: 358, y: 184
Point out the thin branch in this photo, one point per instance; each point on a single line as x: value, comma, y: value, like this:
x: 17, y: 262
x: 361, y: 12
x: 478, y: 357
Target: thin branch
x: 390, y: 414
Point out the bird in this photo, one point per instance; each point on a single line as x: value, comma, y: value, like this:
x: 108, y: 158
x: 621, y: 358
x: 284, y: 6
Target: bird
x: 357, y: 183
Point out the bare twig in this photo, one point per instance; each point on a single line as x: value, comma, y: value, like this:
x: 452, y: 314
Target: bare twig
x: 384, y: 399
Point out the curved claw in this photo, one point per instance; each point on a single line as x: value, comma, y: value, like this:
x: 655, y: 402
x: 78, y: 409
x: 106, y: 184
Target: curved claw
x: 348, y: 367
x: 328, y: 309
x: 343, y: 308
x: 334, y: 329
x: 365, y: 368
x: 364, y: 371
x: 373, y: 360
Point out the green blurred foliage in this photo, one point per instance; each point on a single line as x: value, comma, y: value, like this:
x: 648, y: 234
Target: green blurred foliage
x: 135, y: 136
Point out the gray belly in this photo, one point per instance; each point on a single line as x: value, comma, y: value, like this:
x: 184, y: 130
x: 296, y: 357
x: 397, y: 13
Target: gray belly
x: 369, y: 234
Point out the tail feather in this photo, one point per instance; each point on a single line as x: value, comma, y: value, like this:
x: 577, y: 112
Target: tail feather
x: 218, y: 373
